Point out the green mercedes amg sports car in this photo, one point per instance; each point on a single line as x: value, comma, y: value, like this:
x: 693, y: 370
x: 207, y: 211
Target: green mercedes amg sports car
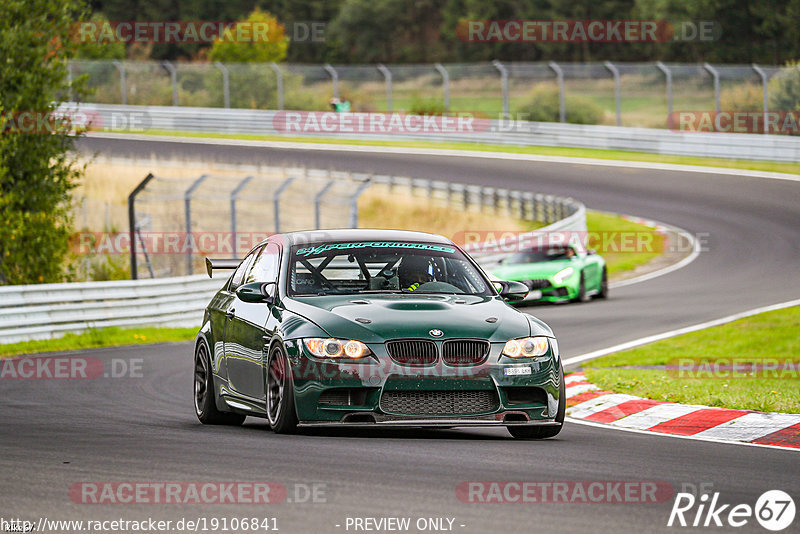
x: 556, y: 273
x: 376, y: 328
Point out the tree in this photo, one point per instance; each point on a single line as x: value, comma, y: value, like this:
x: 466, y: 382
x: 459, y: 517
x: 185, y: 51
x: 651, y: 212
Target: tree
x: 258, y: 47
x: 37, y: 169
x: 97, y: 48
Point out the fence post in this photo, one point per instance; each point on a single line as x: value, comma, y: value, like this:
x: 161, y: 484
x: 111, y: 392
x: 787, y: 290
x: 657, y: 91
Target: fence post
x: 334, y: 79
x: 445, y: 84
x: 234, y: 194
x: 354, y: 202
x: 764, y: 83
x: 276, y: 205
x: 668, y: 78
x: 715, y: 75
x: 617, y: 90
x: 387, y: 75
x: 226, y: 83
x: 318, y: 203
x: 132, y: 221
x: 187, y: 206
x: 173, y: 78
x: 279, y: 74
x: 562, y: 107
x: 504, y: 84
x: 122, y: 81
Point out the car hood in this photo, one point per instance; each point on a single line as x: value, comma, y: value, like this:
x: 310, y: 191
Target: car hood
x: 396, y: 316
x: 528, y: 271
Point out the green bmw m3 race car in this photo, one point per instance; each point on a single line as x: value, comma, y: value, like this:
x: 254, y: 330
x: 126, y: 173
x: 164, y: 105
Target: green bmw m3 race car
x: 556, y: 273
x: 373, y: 328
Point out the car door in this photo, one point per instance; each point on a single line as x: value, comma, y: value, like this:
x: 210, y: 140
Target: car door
x: 247, y: 326
x: 220, y: 309
x: 591, y: 273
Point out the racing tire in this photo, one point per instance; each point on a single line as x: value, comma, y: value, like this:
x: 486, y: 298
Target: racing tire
x: 603, y: 294
x: 205, y: 406
x: 544, y: 432
x: 280, y: 393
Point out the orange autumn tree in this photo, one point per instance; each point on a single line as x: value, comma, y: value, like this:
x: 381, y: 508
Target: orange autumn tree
x: 258, y: 39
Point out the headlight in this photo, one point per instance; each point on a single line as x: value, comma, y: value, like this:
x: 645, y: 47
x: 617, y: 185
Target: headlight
x: 336, y: 348
x: 563, y: 274
x: 526, y: 347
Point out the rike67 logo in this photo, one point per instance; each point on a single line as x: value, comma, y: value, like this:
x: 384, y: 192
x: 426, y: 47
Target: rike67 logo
x: 774, y: 510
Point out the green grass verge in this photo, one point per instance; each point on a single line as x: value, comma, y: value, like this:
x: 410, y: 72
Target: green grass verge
x: 791, y: 168
x: 619, y: 261
x: 100, y: 337
x: 771, y: 335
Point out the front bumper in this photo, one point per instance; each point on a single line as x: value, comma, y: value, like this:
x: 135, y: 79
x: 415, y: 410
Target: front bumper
x: 547, y: 290
x: 382, y: 421
x: 356, y: 394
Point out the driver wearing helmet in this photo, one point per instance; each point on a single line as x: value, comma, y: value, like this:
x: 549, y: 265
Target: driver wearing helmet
x: 413, y: 271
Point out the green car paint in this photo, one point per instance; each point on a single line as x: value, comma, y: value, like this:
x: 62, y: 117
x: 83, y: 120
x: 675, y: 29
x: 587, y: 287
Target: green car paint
x: 588, y: 276
x: 346, y: 284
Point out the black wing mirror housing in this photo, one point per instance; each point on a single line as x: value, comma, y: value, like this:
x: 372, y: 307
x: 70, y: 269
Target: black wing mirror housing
x: 511, y: 290
x: 257, y: 292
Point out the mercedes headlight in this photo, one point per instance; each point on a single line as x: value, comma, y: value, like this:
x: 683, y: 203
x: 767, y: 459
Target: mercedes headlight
x: 526, y: 347
x: 563, y: 274
x: 336, y: 348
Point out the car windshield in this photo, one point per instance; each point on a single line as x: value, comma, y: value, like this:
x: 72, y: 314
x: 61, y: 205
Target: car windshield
x: 382, y: 267
x: 536, y: 255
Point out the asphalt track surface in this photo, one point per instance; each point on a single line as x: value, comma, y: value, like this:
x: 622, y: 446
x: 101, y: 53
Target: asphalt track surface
x: 144, y: 429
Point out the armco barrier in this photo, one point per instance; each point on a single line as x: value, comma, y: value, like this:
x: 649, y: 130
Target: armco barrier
x: 43, y: 311
x: 140, y: 119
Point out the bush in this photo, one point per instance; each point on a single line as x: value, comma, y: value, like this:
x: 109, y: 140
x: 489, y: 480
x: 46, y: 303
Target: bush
x: 746, y: 97
x: 542, y: 105
x: 425, y: 106
x: 784, y: 89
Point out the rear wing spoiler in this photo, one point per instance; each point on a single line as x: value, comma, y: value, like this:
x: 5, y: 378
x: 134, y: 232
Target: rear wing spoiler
x: 215, y: 265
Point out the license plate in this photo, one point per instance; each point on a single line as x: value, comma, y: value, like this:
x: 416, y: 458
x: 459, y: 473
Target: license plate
x: 533, y: 295
x: 517, y: 371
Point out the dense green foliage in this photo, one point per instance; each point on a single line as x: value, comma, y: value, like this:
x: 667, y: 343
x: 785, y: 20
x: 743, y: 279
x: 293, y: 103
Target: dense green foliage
x: 36, y: 170
x: 408, y: 31
x: 542, y: 105
x: 272, y: 49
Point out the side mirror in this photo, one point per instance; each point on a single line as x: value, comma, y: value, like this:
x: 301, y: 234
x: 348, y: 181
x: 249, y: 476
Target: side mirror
x: 591, y: 251
x: 511, y: 290
x: 257, y: 292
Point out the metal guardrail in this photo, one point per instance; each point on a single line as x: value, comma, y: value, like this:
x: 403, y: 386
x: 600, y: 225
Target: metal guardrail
x: 496, y: 132
x: 43, y: 311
